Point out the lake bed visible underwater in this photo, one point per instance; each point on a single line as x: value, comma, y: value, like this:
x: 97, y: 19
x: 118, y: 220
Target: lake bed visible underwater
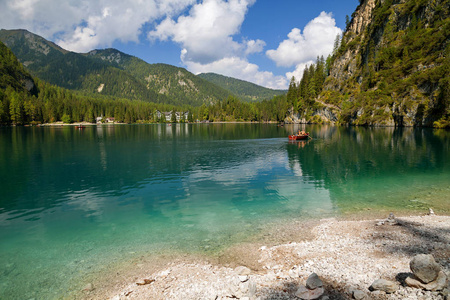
x: 74, y: 201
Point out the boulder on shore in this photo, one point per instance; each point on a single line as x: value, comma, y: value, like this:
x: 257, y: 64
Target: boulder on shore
x: 436, y: 285
x: 313, y: 282
x: 424, y: 267
x: 384, y: 285
x: 313, y: 289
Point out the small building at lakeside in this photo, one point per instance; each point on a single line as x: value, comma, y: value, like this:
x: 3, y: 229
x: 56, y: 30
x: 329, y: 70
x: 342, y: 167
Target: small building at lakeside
x: 180, y: 116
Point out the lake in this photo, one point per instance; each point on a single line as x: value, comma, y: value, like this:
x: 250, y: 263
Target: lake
x: 75, y: 200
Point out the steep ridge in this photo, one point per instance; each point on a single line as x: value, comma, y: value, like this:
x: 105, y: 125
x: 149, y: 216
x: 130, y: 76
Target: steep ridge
x: 392, y: 66
x: 12, y: 73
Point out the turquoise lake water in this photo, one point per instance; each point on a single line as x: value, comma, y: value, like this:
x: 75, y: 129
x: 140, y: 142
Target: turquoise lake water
x: 74, y: 200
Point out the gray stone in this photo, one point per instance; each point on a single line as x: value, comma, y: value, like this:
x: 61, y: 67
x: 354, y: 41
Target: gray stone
x: 436, y: 285
x: 293, y: 273
x: 358, y: 295
x: 445, y: 293
x: 384, y: 285
x: 241, y: 270
x: 244, y: 287
x: 251, y: 289
x: 313, y: 282
x: 391, y: 219
x: 377, y: 294
x: 306, y: 294
x: 424, y: 267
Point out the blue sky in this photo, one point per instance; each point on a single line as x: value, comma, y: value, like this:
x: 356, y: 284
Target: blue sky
x: 261, y: 41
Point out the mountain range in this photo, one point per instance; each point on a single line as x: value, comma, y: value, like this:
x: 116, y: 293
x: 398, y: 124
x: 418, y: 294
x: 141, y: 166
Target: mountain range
x: 391, y: 67
x: 114, y: 73
x: 243, y: 89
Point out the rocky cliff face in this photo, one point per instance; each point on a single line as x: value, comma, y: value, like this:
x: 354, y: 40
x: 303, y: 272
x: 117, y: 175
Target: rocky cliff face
x: 13, y: 74
x: 392, y: 68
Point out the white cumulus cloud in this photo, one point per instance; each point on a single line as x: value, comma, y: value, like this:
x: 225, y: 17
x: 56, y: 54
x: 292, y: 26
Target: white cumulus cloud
x: 84, y: 25
x: 206, y: 36
x: 254, y: 46
x: 301, y: 49
x: 299, y: 68
x: 207, y: 32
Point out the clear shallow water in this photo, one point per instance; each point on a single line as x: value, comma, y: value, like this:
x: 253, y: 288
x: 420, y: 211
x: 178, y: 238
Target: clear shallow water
x: 74, y: 200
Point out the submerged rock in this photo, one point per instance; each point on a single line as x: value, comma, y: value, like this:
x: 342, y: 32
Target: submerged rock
x: 88, y: 287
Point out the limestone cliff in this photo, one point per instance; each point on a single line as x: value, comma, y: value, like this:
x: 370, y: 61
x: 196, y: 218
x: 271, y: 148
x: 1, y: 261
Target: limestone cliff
x: 392, y: 66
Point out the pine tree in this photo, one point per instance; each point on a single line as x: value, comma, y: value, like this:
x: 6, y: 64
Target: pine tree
x: 337, y: 44
x: 292, y: 93
x: 15, y: 108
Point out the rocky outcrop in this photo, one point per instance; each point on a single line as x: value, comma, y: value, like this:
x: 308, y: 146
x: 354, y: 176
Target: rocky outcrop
x: 345, y: 66
x: 325, y: 114
x: 361, y: 17
x: 362, y: 66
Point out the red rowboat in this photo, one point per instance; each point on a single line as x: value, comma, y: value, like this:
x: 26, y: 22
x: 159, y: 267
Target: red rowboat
x: 295, y: 137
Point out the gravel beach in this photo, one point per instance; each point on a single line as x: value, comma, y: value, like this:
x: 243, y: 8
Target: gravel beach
x: 348, y: 256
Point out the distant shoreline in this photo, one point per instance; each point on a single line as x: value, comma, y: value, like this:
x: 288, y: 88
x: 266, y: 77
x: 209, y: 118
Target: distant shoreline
x: 61, y: 124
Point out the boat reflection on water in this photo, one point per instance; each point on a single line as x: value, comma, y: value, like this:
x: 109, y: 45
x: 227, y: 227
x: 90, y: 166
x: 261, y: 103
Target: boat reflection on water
x: 300, y: 143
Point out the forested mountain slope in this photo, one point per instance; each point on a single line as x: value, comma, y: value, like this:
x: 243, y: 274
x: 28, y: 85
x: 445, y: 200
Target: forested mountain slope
x: 245, y: 90
x: 12, y: 73
x: 28, y: 100
x: 391, y: 67
x: 172, y: 84
x: 110, y: 72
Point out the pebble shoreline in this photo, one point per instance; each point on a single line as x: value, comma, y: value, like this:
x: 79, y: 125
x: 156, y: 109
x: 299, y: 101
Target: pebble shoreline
x: 347, y: 256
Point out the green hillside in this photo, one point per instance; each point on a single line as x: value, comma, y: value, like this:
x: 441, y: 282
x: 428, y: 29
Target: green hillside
x: 391, y: 68
x: 28, y: 100
x: 110, y: 72
x: 245, y: 90
x: 172, y: 84
x: 12, y: 73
